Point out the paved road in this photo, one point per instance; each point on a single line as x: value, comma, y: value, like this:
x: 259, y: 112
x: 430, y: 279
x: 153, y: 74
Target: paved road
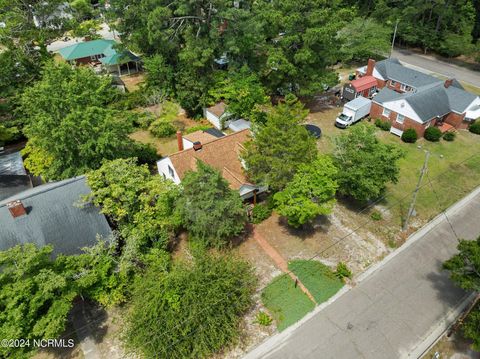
x: 397, y: 310
x: 443, y: 68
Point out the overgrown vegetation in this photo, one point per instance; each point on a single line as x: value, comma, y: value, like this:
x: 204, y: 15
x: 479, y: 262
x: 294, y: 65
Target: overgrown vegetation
x: 475, y: 128
x: 205, y: 299
x: 261, y: 212
x: 383, y: 124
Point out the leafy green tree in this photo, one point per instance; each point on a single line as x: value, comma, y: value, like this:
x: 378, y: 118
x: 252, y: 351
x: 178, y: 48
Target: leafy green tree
x: 192, y: 311
x: 464, y: 269
x: 210, y: 210
x: 141, y: 204
x: 35, y: 296
x: 365, y: 165
x: 311, y: 192
x: 159, y: 74
x: 279, y: 146
x: 364, y: 38
x: 299, y: 43
x: 69, y: 126
x: 242, y: 92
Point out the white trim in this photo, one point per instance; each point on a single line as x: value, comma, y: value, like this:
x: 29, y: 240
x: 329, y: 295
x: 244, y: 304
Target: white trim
x: 384, y: 112
x: 398, y: 118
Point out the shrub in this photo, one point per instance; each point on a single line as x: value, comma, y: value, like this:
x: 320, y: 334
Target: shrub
x: 449, y: 136
x: 475, y: 128
x: 343, y: 271
x: 384, y: 125
x: 376, y: 216
x: 161, y: 128
x: 197, y: 128
x: 432, y: 134
x: 264, y: 319
x: 260, y: 213
x: 409, y: 136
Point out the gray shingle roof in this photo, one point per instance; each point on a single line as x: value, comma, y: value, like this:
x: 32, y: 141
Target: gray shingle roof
x: 53, y: 217
x: 10, y: 185
x: 392, y: 69
x: 431, y: 100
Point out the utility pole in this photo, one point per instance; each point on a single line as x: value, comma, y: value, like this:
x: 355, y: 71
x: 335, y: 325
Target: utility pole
x: 414, y: 199
x: 394, y: 35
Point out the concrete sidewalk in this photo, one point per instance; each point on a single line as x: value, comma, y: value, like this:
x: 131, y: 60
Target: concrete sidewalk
x: 398, y: 308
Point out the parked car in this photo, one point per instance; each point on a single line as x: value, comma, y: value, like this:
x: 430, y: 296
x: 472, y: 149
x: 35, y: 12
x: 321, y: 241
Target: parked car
x: 353, y: 112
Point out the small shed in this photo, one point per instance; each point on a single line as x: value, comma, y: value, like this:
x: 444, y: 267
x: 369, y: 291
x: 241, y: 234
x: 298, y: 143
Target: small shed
x: 365, y: 86
x: 217, y: 115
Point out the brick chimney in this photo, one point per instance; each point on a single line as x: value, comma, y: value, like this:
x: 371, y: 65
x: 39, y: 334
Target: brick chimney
x: 197, y: 146
x: 448, y: 83
x: 179, y: 140
x: 370, y: 67
x: 16, y: 209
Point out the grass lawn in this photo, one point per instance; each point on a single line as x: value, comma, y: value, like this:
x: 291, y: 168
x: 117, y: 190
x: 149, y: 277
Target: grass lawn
x: 452, y: 173
x: 317, y: 277
x: 286, y: 303
x: 164, y: 146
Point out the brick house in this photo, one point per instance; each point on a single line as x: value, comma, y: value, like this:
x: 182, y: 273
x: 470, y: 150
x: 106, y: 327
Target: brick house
x: 412, y: 99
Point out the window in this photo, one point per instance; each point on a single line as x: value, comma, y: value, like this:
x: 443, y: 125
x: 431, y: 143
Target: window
x: 393, y: 83
x: 171, y: 172
x: 400, y: 118
x: 386, y: 112
x: 403, y: 87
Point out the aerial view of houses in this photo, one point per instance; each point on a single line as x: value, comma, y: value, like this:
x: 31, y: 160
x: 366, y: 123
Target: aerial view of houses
x: 239, y: 179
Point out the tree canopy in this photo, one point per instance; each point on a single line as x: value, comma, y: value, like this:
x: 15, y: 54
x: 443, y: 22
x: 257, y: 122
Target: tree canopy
x: 279, y: 146
x: 69, y: 125
x: 141, y: 204
x: 464, y: 269
x: 311, y: 192
x: 210, y: 211
x: 365, y: 165
x: 191, y: 311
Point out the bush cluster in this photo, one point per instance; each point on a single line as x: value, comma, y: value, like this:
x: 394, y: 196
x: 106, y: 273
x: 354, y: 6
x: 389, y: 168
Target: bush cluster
x: 433, y: 134
x: 475, y: 128
x: 260, y: 213
x: 342, y: 271
x: 264, y: 319
x: 161, y: 128
x: 376, y: 216
x: 449, y: 136
x: 384, y: 125
x: 409, y: 136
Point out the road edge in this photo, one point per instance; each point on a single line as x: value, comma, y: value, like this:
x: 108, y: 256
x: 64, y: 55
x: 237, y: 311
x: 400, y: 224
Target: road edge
x: 274, y: 341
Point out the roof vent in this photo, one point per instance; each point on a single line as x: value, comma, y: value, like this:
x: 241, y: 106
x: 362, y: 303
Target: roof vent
x: 197, y: 146
x: 16, y: 209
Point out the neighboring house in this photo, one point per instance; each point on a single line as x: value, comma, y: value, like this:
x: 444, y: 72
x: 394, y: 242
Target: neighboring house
x: 392, y: 74
x: 364, y: 86
x: 222, y: 154
x: 217, y: 115
x: 187, y: 141
x: 52, y: 214
x: 101, y: 52
x: 411, y: 99
x: 13, y: 177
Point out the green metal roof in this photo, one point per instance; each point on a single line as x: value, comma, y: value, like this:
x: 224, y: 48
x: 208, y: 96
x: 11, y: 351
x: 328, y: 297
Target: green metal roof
x: 118, y: 59
x: 87, y: 49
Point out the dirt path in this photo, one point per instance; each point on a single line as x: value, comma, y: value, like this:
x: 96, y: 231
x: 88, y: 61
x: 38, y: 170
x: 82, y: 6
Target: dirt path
x: 280, y: 262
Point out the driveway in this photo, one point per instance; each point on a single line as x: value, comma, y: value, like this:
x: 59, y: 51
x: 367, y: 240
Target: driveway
x: 432, y: 64
x: 397, y: 309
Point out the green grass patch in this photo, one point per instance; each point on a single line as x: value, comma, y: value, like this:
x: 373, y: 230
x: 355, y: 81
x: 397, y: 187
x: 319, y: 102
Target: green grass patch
x: 319, y: 279
x: 286, y: 303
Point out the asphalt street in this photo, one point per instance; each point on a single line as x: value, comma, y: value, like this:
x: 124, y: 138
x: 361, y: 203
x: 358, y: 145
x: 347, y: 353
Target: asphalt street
x: 441, y: 67
x: 398, y: 309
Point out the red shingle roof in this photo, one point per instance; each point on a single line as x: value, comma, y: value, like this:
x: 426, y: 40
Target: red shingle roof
x: 364, y: 83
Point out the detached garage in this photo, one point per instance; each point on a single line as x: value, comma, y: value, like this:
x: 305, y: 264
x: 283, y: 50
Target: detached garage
x: 365, y: 86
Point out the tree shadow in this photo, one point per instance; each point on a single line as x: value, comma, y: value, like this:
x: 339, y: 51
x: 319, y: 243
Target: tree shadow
x: 89, y: 320
x: 321, y: 224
